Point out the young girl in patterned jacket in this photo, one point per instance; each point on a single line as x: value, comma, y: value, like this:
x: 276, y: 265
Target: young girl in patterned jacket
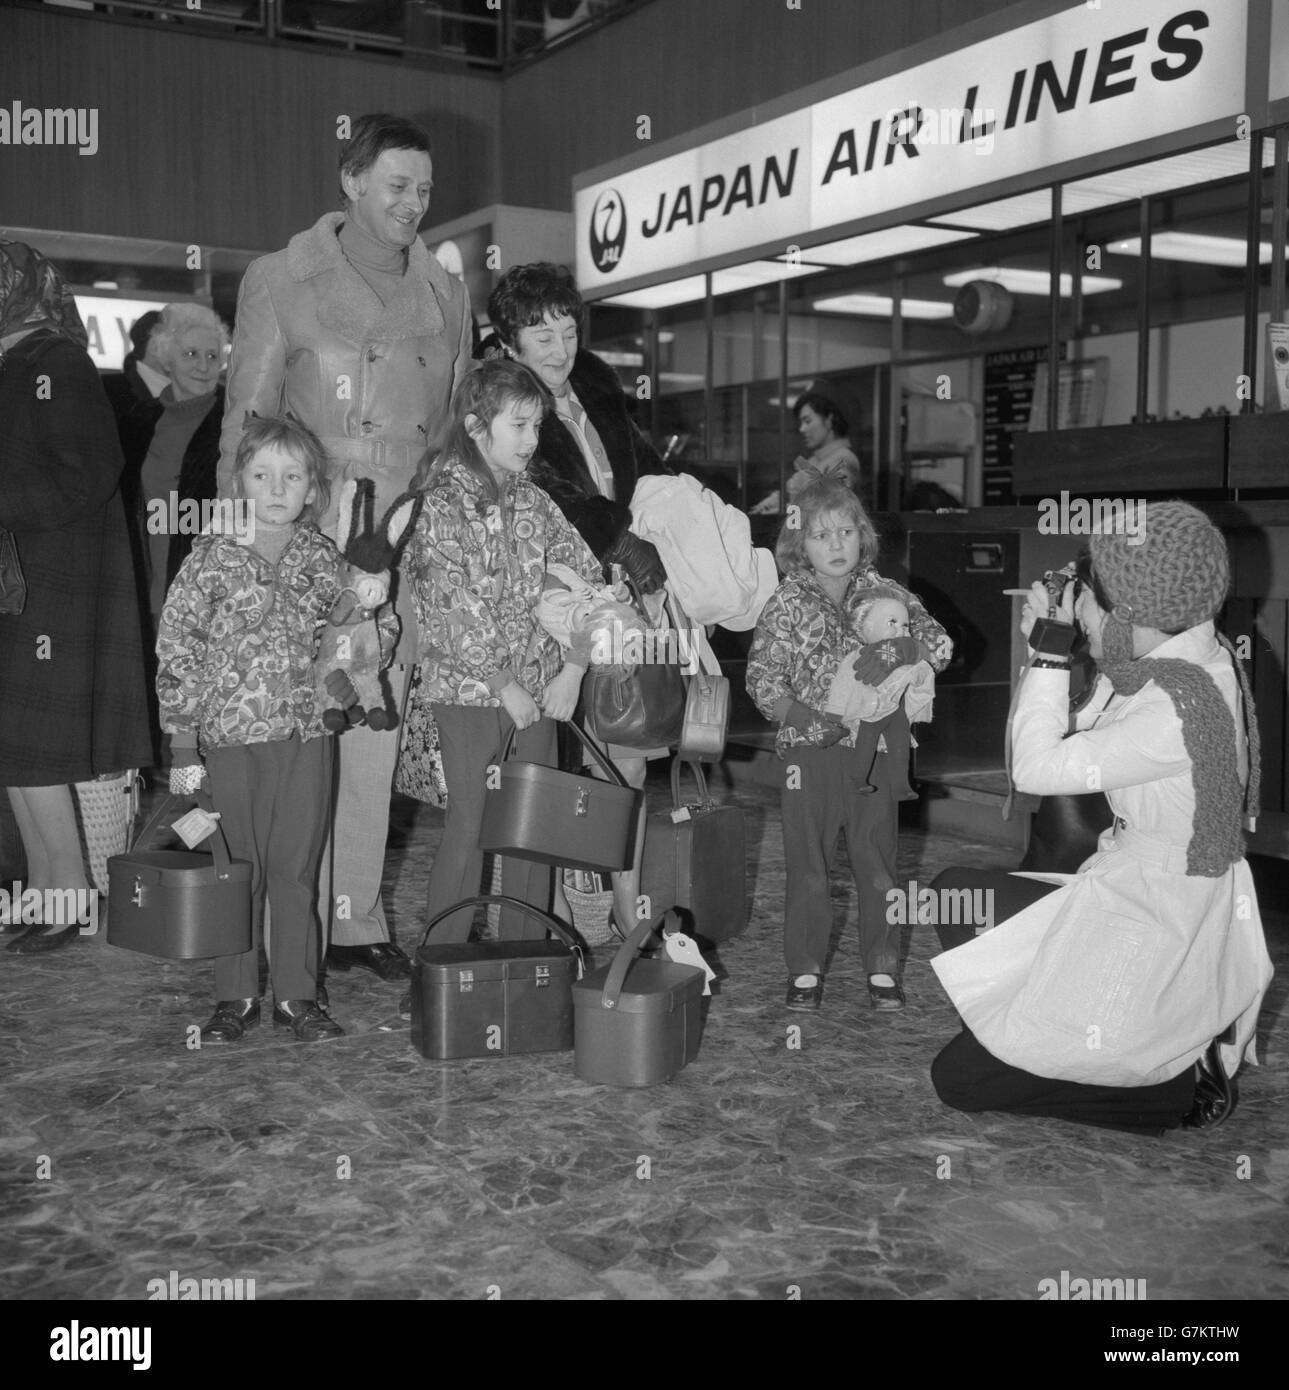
x: 826, y: 550
x: 476, y: 565
x: 235, y: 682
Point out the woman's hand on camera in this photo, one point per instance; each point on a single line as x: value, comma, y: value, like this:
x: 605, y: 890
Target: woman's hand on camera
x: 519, y: 705
x: 1038, y: 602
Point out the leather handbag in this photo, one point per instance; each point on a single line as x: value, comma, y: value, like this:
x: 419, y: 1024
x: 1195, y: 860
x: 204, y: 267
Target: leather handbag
x: 494, y: 998
x: 553, y: 817
x: 641, y: 708
x: 695, y: 859
x: 13, y: 587
x: 176, y: 903
x: 636, y: 1022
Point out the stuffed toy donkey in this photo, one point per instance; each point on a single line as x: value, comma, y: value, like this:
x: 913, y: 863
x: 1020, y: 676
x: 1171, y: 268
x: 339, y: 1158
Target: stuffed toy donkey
x: 356, y: 646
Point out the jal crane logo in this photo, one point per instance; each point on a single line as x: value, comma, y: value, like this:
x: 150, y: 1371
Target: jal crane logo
x: 608, y: 230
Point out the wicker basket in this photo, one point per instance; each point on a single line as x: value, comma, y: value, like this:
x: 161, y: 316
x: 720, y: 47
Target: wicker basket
x: 105, y: 812
x: 589, y: 901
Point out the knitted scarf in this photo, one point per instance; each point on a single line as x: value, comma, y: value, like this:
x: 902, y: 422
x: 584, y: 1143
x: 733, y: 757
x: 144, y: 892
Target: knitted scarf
x: 1208, y: 732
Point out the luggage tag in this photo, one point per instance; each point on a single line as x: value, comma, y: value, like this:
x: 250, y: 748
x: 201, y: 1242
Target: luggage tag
x: 682, y: 950
x: 196, y: 826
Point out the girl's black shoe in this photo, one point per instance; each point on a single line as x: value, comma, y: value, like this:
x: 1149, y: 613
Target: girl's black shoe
x: 885, y: 998
x: 805, y: 998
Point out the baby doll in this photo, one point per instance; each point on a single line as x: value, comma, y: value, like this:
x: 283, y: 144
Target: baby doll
x: 886, y: 709
x: 591, y: 624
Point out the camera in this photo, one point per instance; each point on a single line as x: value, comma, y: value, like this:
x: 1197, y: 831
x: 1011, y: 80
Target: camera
x: 1052, y: 636
x: 1056, y: 582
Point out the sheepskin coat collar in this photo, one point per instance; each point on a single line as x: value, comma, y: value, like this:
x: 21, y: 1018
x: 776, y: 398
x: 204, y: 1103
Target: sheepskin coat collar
x: 351, y: 307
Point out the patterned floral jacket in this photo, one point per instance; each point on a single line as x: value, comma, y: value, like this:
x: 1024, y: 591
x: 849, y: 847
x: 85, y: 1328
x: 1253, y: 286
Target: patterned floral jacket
x: 802, y: 636
x: 238, y: 637
x: 476, y: 569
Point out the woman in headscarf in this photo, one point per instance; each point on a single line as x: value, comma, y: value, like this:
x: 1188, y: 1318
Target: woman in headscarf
x: 1125, y: 995
x: 72, y: 694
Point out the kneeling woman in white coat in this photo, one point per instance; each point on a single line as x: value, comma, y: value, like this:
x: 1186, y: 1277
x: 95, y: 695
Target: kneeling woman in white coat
x: 1127, y: 994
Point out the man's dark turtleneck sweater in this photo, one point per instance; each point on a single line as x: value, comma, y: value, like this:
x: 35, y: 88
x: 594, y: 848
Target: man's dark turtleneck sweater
x: 381, y: 266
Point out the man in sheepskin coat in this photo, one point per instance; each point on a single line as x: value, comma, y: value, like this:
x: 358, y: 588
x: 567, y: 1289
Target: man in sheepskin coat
x: 360, y: 334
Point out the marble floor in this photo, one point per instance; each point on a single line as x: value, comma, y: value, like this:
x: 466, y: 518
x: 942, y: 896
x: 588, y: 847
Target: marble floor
x: 766, y: 1170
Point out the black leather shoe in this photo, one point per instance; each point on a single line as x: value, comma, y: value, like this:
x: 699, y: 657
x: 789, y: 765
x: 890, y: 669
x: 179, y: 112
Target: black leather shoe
x: 885, y: 998
x: 36, y: 939
x: 405, y: 1007
x: 382, y: 958
x: 231, y: 1021
x: 306, y: 1020
x: 805, y: 998
x: 1215, y: 1094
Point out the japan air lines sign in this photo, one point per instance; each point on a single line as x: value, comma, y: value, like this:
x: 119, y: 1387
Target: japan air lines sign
x: 1083, y: 82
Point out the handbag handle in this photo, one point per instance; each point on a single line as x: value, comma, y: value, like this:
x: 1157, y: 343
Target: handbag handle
x: 706, y: 803
x: 549, y: 922
x: 616, y: 978
x: 610, y: 772
x: 218, y: 845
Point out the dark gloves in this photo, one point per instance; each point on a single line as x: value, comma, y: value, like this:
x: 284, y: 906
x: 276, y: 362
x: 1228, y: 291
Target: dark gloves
x: 640, y: 560
x: 821, y: 730
x: 877, y: 660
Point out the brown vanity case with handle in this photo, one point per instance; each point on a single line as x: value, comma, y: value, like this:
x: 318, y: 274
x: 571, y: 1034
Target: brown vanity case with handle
x: 553, y: 817
x: 494, y: 998
x: 179, y: 904
x: 637, y: 1022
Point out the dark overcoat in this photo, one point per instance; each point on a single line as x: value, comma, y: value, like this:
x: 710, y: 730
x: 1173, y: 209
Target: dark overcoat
x: 136, y: 422
x: 72, y: 687
x: 561, y: 470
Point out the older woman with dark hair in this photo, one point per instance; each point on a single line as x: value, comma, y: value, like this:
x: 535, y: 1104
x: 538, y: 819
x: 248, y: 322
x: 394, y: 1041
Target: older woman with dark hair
x: 590, y: 456
x: 72, y: 696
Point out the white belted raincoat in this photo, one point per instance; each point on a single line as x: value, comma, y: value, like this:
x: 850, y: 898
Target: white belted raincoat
x: 1126, y: 974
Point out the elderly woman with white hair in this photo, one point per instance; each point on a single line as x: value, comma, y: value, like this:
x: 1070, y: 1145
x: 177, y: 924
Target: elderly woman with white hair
x: 171, y: 444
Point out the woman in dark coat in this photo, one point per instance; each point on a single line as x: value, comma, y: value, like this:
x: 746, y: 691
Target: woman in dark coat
x: 589, y: 458
x: 72, y: 698
x: 171, y: 444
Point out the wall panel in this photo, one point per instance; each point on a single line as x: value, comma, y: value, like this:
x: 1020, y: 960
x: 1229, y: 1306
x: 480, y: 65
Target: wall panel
x: 217, y: 140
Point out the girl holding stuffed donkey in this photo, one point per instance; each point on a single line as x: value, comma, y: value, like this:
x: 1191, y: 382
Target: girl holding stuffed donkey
x: 236, y: 684
x: 476, y: 564
x: 826, y: 552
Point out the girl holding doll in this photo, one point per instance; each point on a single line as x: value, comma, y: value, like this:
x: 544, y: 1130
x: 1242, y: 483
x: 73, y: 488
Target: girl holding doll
x: 827, y: 551
x: 477, y: 563
x: 236, y: 645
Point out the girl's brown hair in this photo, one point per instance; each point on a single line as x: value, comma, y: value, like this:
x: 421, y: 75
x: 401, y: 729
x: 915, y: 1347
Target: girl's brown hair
x: 489, y: 388
x: 820, y: 499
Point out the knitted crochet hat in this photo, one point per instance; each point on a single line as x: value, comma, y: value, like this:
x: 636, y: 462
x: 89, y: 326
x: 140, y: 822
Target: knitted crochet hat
x: 1173, y: 575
